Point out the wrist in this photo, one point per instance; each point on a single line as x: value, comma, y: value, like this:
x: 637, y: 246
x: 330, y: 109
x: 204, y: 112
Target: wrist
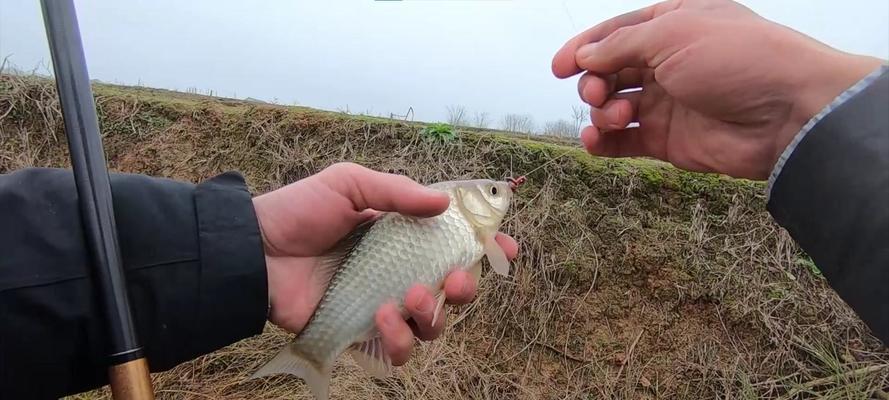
x: 825, y: 73
x: 837, y: 73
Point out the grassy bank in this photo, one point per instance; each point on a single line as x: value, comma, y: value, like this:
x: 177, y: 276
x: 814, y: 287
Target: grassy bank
x: 634, y: 280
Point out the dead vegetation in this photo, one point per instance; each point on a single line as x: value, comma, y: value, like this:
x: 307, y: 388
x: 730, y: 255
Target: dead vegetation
x: 634, y: 281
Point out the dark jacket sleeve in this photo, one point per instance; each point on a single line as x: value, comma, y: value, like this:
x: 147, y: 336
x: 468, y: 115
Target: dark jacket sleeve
x: 832, y: 195
x: 193, y: 259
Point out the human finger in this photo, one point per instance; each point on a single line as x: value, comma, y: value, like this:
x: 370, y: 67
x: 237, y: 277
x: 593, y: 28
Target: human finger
x: 369, y: 214
x: 645, y: 45
x: 564, y: 63
x: 395, y: 334
x: 367, y: 188
x: 629, y: 142
x: 595, y: 89
x: 508, y: 244
x: 421, y: 306
x: 617, y: 112
x: 460, y: 287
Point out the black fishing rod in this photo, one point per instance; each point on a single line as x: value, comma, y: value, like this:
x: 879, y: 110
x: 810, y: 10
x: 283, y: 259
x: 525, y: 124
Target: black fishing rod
x: 128, y: 368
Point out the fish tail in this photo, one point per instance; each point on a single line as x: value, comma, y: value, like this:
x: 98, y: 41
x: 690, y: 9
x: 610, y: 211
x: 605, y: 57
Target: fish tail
x: 290, y: 361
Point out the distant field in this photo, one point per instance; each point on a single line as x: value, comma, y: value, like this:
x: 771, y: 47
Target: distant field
x: 634, y: 280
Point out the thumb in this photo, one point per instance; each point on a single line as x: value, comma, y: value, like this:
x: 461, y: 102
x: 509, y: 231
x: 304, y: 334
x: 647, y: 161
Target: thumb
x: 369, y: 189
x: 564, y: 62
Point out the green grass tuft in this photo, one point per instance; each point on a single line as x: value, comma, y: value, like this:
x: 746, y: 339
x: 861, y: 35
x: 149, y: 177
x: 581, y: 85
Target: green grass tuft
x: 439, y: 132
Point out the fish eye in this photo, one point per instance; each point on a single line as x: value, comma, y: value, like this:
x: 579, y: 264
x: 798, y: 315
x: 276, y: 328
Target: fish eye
x: 494, y: 190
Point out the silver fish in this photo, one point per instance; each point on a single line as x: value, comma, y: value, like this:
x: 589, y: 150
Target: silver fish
x: 378, y: 263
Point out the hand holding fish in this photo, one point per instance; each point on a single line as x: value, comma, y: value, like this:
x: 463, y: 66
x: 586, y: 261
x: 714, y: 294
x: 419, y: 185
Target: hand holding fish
x: 301, y: 222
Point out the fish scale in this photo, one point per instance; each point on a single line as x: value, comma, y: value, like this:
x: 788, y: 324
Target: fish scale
x: 394, y: 255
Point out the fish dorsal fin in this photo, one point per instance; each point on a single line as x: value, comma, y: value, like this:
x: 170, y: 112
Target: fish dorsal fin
x: 496, y: 257
x: 287, y: 361
x: 371, y: 357
x: 333, y: 259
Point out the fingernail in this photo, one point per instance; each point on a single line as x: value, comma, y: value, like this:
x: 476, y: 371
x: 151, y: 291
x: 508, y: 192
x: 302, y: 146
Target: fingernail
x: 425, y: 305
x: 464, y: 291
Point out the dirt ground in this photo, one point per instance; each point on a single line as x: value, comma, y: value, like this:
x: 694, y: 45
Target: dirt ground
x: 634, y: 280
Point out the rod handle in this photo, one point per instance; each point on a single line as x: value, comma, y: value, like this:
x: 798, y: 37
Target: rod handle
x: 131, y: 381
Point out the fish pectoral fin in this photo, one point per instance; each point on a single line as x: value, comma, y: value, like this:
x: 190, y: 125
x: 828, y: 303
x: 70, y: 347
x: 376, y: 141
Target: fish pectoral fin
x: 476, y: 271
x: 496, y: 256
x: 287, y: 361
x: 371, y: 357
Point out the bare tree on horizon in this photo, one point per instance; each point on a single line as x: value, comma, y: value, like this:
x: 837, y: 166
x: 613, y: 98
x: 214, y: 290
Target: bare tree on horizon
x: 481, y: 120
x: 560, y: 128
x: 518, y: 123
x: 457, y: 115
x: 581, y: 117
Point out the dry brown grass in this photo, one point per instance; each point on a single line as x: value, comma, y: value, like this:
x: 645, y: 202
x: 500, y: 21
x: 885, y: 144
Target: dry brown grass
x: 634, y: 281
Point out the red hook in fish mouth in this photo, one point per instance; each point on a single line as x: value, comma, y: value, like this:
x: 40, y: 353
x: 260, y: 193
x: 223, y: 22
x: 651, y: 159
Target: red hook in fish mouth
x: 514, y: 183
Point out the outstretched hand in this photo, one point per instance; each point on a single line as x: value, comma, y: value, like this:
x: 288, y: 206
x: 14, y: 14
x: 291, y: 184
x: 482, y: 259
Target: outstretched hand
x: 722, y: 89
x: 301, y: 221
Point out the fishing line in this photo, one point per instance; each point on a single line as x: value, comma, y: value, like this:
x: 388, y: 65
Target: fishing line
x: 514, y: 183
x: 570, y: 18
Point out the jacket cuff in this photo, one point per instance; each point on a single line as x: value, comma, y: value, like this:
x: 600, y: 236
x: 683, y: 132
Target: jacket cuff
x: 831, y: 198
x: 837, y: 102
x: 233, y: 292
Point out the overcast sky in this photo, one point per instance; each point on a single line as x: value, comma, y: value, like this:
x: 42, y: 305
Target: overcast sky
x: 374, y: 56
